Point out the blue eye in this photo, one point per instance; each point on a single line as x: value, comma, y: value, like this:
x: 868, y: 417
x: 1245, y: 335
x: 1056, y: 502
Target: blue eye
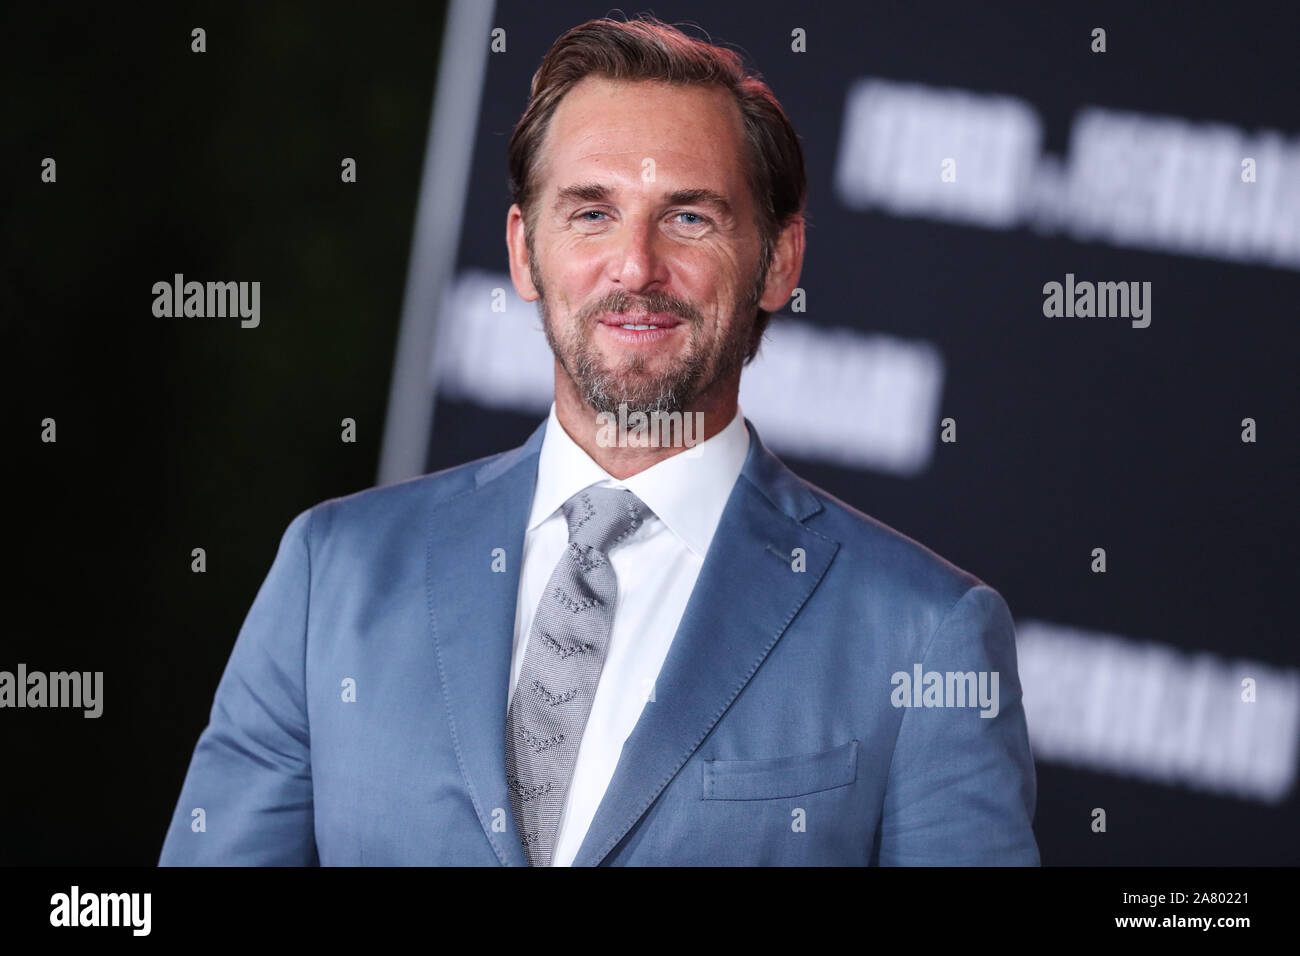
x: 699, y: 220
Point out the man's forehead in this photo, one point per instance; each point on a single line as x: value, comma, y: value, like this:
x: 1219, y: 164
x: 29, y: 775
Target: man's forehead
x: 602, y: 121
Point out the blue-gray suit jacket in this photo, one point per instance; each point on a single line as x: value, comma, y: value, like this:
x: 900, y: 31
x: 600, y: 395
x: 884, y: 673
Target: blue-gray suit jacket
x: 775, y: 735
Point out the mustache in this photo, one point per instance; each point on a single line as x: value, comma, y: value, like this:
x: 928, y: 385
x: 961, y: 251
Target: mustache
x: 660, y: 303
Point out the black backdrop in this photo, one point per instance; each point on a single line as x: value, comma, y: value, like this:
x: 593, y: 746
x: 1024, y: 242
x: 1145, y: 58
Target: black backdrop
x: 1073, y: 433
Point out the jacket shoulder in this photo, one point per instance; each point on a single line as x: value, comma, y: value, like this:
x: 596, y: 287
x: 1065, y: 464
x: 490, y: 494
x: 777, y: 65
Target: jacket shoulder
x: 399, y: 506
x: 885, y: 556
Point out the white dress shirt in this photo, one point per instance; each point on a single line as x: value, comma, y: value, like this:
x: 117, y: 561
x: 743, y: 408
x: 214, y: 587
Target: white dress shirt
x: 656, y: 568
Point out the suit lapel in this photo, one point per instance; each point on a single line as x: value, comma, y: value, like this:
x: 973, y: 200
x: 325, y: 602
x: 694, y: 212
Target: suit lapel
x: 472, y: 613
x: 746, y: 596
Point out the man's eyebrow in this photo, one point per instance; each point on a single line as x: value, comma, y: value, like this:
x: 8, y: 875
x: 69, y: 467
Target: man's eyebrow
x: 581, y: 192
x: 693, y: 197
x: 598, y: 192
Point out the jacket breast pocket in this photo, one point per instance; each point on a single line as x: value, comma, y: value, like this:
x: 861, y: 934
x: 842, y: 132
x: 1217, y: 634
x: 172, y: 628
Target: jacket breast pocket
x: 781, y: 776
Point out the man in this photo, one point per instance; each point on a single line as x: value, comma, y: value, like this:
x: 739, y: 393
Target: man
x: 590, y: 651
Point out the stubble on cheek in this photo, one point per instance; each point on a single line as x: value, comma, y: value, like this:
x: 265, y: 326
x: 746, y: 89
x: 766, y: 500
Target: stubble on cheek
x: 629, y: 383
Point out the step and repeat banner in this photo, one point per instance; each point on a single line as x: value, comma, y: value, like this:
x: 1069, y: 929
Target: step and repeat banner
x: 1046, y: 326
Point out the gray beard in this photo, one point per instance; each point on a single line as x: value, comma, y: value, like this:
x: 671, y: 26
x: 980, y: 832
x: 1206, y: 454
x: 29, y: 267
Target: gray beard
x: 606, y: 390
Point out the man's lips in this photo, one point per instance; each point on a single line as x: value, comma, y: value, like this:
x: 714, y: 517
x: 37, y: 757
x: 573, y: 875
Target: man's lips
x: 628, y: 328
x: 658, y: 320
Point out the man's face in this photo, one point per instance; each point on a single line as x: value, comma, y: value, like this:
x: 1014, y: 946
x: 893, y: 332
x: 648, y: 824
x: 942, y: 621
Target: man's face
x: 645, y: 250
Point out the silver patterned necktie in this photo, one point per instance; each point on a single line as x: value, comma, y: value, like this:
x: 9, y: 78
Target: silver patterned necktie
x: 562, y: 664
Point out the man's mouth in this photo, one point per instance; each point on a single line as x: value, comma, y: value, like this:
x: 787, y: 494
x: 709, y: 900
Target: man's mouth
x: 640, y: 323
x: 638, y: 329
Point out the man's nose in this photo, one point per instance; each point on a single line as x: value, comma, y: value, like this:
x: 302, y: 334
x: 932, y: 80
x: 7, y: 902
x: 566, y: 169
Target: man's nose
x: 638, y: 260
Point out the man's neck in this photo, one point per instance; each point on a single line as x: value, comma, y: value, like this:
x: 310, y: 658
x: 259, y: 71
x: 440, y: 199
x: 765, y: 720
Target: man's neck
x: 590, y: 431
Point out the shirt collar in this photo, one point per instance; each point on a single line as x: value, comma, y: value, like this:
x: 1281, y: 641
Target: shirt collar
x: 687, y: 491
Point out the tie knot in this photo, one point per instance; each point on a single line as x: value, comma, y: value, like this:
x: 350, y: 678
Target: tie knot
x: 601, y: 517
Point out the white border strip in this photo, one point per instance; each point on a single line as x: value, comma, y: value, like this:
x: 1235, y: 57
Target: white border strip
x: 444, y: 185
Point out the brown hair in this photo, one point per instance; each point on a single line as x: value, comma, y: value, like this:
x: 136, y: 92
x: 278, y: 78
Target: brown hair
x: 648, y: 49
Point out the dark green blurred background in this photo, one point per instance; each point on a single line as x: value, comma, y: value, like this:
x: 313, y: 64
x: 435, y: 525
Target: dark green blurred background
x: 177, y: 433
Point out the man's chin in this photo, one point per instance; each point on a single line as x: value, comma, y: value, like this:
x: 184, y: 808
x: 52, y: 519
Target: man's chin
x: 629, y: 404
x: 644, y: 397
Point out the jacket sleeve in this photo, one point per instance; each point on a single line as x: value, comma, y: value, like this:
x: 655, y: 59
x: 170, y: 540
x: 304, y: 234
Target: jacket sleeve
x: 247, y: 798
x: 961, y: 788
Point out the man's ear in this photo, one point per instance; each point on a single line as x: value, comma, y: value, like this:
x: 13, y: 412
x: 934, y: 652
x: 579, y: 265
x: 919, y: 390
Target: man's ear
x: 517, y: 245
x: 787, y: 265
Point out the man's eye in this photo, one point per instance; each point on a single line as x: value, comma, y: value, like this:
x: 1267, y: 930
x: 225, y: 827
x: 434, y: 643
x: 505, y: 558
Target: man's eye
x: 696, y: 218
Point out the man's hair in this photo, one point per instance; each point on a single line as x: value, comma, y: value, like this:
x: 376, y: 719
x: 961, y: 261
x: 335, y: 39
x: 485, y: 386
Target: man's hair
x: 646, y: 49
